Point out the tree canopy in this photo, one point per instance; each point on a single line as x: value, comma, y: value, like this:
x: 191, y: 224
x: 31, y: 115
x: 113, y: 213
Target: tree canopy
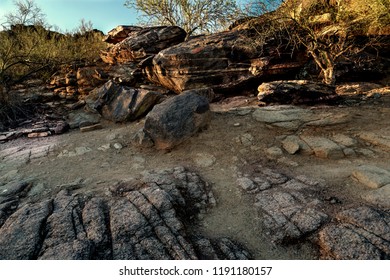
x: 194, y: 16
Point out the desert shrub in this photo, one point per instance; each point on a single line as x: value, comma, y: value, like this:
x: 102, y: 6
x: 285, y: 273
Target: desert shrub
x: 35, y: 51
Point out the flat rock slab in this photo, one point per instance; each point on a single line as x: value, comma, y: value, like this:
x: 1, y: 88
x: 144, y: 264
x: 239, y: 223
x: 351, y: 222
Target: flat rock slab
x: 372, y: 176
x: 360, y: 234
x: 283, y: 116
x: 323, y: 147
x: 140, y: 219
x: 376, y: 139
x: 21, y: 155
x: 291, y: 117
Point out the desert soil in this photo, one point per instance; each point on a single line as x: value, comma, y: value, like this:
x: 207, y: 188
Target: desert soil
x: 234, y: 143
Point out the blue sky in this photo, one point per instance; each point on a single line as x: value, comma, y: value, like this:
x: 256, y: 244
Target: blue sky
x: 66, y: 14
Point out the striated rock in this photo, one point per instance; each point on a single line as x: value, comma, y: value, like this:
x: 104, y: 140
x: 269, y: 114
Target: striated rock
x: 119, y: 103
x: 141, y: 219
x: 296, y: 92
x: 177, y: 119
x: 143, y: 43
x: 119, y: 33
x: 220, y: 61
x: 360, y: 234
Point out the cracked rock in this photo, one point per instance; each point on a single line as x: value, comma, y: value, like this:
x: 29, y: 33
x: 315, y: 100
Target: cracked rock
x: 142, y: 219
x: 360, y: 233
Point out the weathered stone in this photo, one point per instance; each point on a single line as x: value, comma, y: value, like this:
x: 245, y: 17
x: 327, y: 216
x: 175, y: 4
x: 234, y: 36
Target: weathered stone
x: 140, y: 219
x: 21, y: 235
x: 119, y: 33
x: 290, y: 211
x: 361, y: 233
x: 177, y: 119
x: 291, y: 144
x: 119, y: 103
x: 296, y: 92
x: 253, y: 186
x: 323, y: 147
x: 285, y: 117
x: 372, y: 176
x: 77, y: 118
x: 222, y: 61
x: 143, y: 43
x: 61, y: 127
x: 14, y: 188
x: 288, y: 215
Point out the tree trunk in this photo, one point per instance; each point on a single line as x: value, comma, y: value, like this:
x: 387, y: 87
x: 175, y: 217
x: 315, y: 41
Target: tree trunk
x: 329, y: 75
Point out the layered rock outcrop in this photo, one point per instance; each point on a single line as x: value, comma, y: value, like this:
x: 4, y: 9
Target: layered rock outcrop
x: 141, y: 43
x: 222, y: 61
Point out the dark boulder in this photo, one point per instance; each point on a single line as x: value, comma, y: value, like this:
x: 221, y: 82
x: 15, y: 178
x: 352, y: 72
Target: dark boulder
x: 120, y: 103
x: 177, y: 119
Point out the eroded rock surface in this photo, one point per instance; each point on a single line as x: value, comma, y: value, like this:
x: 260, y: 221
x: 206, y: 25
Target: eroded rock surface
x: 224, y: 60
x: 145, y: 218
x: 142, y: 43
x: 289, y: 207
x: 359, y: 233
x: 120, y: 103
x: 295, y: 210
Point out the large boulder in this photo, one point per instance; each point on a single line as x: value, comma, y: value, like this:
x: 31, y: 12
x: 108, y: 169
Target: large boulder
x: 120, y: 103
x: 177, y: 119
x: 221, y: 61
x: 143, y: 43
